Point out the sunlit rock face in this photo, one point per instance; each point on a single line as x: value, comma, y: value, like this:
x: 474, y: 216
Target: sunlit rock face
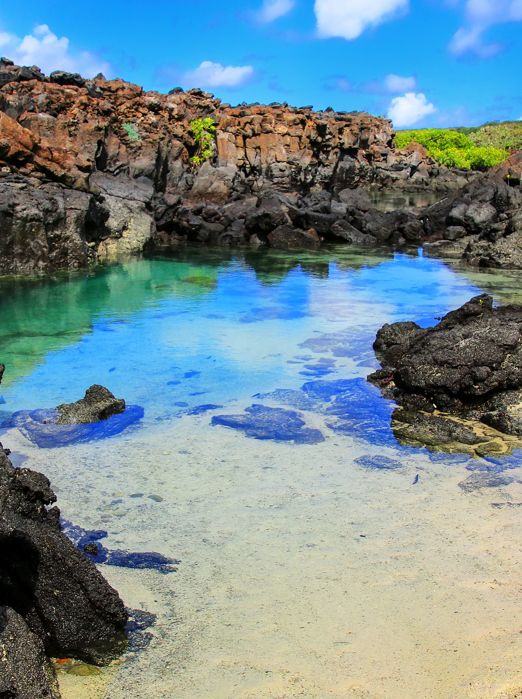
x: 468, y: 366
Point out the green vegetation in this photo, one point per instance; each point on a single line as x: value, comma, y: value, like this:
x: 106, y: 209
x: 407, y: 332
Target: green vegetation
x: 453, y: 148
x: 506, y: 135
x: 203, y: 131
x: 132, y: 131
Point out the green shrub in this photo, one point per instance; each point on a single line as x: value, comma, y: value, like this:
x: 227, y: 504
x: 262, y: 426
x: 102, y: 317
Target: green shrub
x: 506, y: 135
x: 132, y: 131
x: 452, y: 148
x: 203, y: 131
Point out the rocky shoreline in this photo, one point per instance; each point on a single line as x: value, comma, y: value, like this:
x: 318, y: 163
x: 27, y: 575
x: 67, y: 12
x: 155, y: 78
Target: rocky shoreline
x: 90, y: 170
x: 53, y: 599
x: 458, y: 384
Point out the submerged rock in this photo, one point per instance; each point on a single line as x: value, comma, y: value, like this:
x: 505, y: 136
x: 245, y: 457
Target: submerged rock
x: 468, y: 366
x: 96, y: 416
x: 88, y: 542
x: 40, y: 427
x: 378, y: 461
x: 262, y: 422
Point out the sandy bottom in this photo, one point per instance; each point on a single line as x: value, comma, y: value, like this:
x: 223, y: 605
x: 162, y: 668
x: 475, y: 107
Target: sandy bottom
x: 302, y: 573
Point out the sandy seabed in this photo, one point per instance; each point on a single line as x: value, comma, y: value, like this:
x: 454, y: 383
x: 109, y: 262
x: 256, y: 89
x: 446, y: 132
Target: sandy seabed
x: 302, y: 573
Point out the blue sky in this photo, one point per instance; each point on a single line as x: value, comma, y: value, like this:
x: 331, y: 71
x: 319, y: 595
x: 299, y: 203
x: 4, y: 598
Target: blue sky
x: 419, y: 62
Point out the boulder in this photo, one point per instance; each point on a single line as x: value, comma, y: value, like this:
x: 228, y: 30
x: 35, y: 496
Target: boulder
x: 61, y: 77
x: 25, y: 670
x: 97, y: 404
x: 44, y: 578
x: 287, y: 238
x: 469, y: 365
x: 356, y: 198
x: 271, y: 212
x: 345, y: 230
x: 472, y: 352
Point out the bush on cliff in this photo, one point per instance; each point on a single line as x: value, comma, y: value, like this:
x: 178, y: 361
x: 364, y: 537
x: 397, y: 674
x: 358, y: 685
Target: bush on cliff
x: 203, y: 131
x: 452, y: 148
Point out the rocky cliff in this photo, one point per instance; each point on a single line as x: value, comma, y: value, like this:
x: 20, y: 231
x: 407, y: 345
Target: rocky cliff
x: 65, y: 128
x: 94, y: 169
x: 90, y: 169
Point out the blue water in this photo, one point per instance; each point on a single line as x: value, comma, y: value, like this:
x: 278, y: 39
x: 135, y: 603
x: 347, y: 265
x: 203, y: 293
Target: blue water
x: 285, y: 534
x: 170, y: 335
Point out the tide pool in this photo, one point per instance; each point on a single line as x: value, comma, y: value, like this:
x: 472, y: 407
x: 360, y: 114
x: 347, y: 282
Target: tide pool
x: 302, y: 551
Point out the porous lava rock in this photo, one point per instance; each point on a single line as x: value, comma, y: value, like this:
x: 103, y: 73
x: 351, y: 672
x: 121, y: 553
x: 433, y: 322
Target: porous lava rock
x: 91, y: 169
x: 97, y: 404
x: 25, y: 670
x: 60, y: 594
x: 468, y: 365
x: 482, y: 222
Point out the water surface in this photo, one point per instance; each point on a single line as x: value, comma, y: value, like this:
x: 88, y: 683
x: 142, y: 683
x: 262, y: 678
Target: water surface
x: 307, y: 570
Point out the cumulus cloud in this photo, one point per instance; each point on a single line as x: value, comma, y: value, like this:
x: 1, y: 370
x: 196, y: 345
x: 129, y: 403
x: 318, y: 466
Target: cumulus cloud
x: 273, y: 9
x: 479, y: 16
x: 348, y: 19
x: 45, y: 50
x: 409, y: 109
x: 215, y: 75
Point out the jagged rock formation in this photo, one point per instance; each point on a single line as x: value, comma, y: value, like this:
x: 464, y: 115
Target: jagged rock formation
x: 53, y: 600
x: 97, y: 404
x: 60, y: 594
x: 469, y: 366
x: 482, y: 222
x: 25, y: 670
x: 67, y: 129
x: 97, y: 168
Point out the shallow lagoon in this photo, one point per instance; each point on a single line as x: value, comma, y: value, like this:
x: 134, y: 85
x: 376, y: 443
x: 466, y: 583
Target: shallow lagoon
x: 306, y: 570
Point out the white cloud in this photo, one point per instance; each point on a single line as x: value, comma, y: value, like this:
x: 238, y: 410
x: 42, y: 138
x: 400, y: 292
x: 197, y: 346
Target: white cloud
x: 479, y: 16
x: 215, y: 75
x: 409, y: 109
x: 396, y: 83
x: 273, y: 9
x: 349, y: 18
x: 45, y: 50
x: 469, y: 40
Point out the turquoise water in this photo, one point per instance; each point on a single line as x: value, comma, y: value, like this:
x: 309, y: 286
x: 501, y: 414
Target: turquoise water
x: 205, y: 328
x: 323, y: 560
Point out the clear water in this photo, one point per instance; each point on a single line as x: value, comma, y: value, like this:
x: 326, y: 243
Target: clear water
x: 305, y: 571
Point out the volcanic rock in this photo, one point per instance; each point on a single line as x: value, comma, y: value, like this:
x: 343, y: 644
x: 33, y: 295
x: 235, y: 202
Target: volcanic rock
x: 469, y: 365
x: 97, y: 404
x: 25, y: 670
x: 62, y: 597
